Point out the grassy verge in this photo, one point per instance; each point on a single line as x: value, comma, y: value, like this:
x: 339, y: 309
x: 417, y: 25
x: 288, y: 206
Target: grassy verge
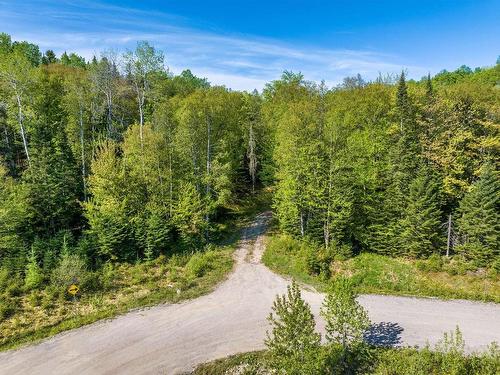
x: 28, y: 316
x: 381, y: 361
x: 372, y: 273
x: 44, y: 313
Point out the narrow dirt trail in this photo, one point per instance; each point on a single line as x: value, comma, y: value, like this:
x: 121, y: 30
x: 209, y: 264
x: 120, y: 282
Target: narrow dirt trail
x: 172, y: 339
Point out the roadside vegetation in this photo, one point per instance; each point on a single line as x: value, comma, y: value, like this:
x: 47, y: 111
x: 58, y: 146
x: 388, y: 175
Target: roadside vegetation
x: 293, y: 346
x: 39, y: 307
x: 28, y: 315
x: 437, y: 276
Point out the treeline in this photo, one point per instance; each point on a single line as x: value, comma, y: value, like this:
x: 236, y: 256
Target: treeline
x: 394, y: 167
x: 117, y: 159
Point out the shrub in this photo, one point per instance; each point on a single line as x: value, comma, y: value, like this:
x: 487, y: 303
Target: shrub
x: 433, y: 264
x: 342, y: 251
x: 312, y: 262
x: 8, y: 307
x: 448, y: 357
x: 4, y: 278
x: 14, y: 288
x: 458, y: 266
x: 71, y: 269
x: 35, y: 298
x: 91, y: 282
x: 200, y: 263
x: 108, y: 276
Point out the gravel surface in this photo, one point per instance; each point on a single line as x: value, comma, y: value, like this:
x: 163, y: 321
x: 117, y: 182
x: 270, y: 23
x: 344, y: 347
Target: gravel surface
x: 172, y: 339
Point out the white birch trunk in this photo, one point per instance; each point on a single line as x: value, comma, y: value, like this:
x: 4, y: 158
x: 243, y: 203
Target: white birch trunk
x: 21, y: 126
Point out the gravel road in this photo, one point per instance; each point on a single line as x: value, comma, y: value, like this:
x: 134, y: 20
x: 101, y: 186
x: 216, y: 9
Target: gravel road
x: 172, y: 339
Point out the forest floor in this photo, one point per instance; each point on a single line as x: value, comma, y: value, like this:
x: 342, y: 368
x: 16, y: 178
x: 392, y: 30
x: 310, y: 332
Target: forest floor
x: 174, y: 338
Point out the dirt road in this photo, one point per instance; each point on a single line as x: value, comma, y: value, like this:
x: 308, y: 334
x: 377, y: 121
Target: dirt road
x: 171, y: 339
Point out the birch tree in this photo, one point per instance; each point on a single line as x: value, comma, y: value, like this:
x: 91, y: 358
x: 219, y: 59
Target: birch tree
x: 141, y: 65
x: 77, y: 102
x: 16, y: 73
x: 104, y: 76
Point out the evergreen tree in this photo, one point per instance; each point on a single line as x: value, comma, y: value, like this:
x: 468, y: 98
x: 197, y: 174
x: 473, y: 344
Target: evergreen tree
x: 189, y: 216
x: 384, y: 229
x: 406, y: 159
x: 346, y: 320
x: 479, y: 219
x: 106, y: 211
x: 12, y: 222
x: 293, y: 344
x: 421, y: 232
x: 33, y: 275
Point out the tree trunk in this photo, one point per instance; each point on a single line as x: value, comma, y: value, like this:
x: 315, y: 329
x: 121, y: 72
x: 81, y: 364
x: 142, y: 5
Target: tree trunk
x: 21, y: 126
x: 449, y: 237
x: 82, y: 145
x: 252, y: 158
x: 209, y: 150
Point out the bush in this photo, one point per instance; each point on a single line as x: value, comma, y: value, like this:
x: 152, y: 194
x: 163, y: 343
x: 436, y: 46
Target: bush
x: 448, y: 357
x: 71, y: 269
x: 14, y: 288
x: 200, y: 263
x: 35, y: 298
x: 312, y: 262
x: 4, y: 278
x: 433, y: 264
x: 8, y: 307
x: 108, y: 276
x: 91, y: 282
x: 458, y: 266
x: 342, y: 251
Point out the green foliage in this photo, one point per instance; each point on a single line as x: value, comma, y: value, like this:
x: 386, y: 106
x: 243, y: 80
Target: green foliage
x: 111, y: 290
x: 421, y: 232
x: 71, y: 270
x: 33, y: 276
x: 200, y: 263
x: 346, y: 322
x: 447, y: 357
x: 293, y: 344
x: 479, y: 221
x: 7, y: 307
x: 443, y: 277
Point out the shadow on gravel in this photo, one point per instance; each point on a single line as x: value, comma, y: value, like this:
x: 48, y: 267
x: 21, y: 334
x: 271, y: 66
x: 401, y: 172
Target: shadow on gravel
x: 384, y: 334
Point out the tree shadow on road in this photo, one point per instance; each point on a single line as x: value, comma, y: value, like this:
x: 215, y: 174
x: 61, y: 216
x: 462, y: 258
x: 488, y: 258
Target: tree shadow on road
x: 386, y: 334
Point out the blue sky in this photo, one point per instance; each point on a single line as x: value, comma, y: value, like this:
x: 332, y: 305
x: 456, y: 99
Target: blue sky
x: 243, y: 44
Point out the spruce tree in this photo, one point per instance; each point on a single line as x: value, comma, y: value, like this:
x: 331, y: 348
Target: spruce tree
x: 429, y: 90
x: 406, y: 156
x: 479, y: 219
x: 293, y: 344
x: 420, y: 226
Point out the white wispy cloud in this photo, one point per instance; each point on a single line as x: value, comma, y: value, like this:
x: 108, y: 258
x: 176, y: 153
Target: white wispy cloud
x: 241, y: 62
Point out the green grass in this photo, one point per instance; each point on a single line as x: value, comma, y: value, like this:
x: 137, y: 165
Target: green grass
x: 231, y: 365
x: 133, y: 286
x: 372, y: 273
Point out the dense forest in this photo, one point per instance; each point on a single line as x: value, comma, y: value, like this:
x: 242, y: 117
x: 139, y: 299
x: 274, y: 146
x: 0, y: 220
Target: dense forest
x: 116, y: 159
